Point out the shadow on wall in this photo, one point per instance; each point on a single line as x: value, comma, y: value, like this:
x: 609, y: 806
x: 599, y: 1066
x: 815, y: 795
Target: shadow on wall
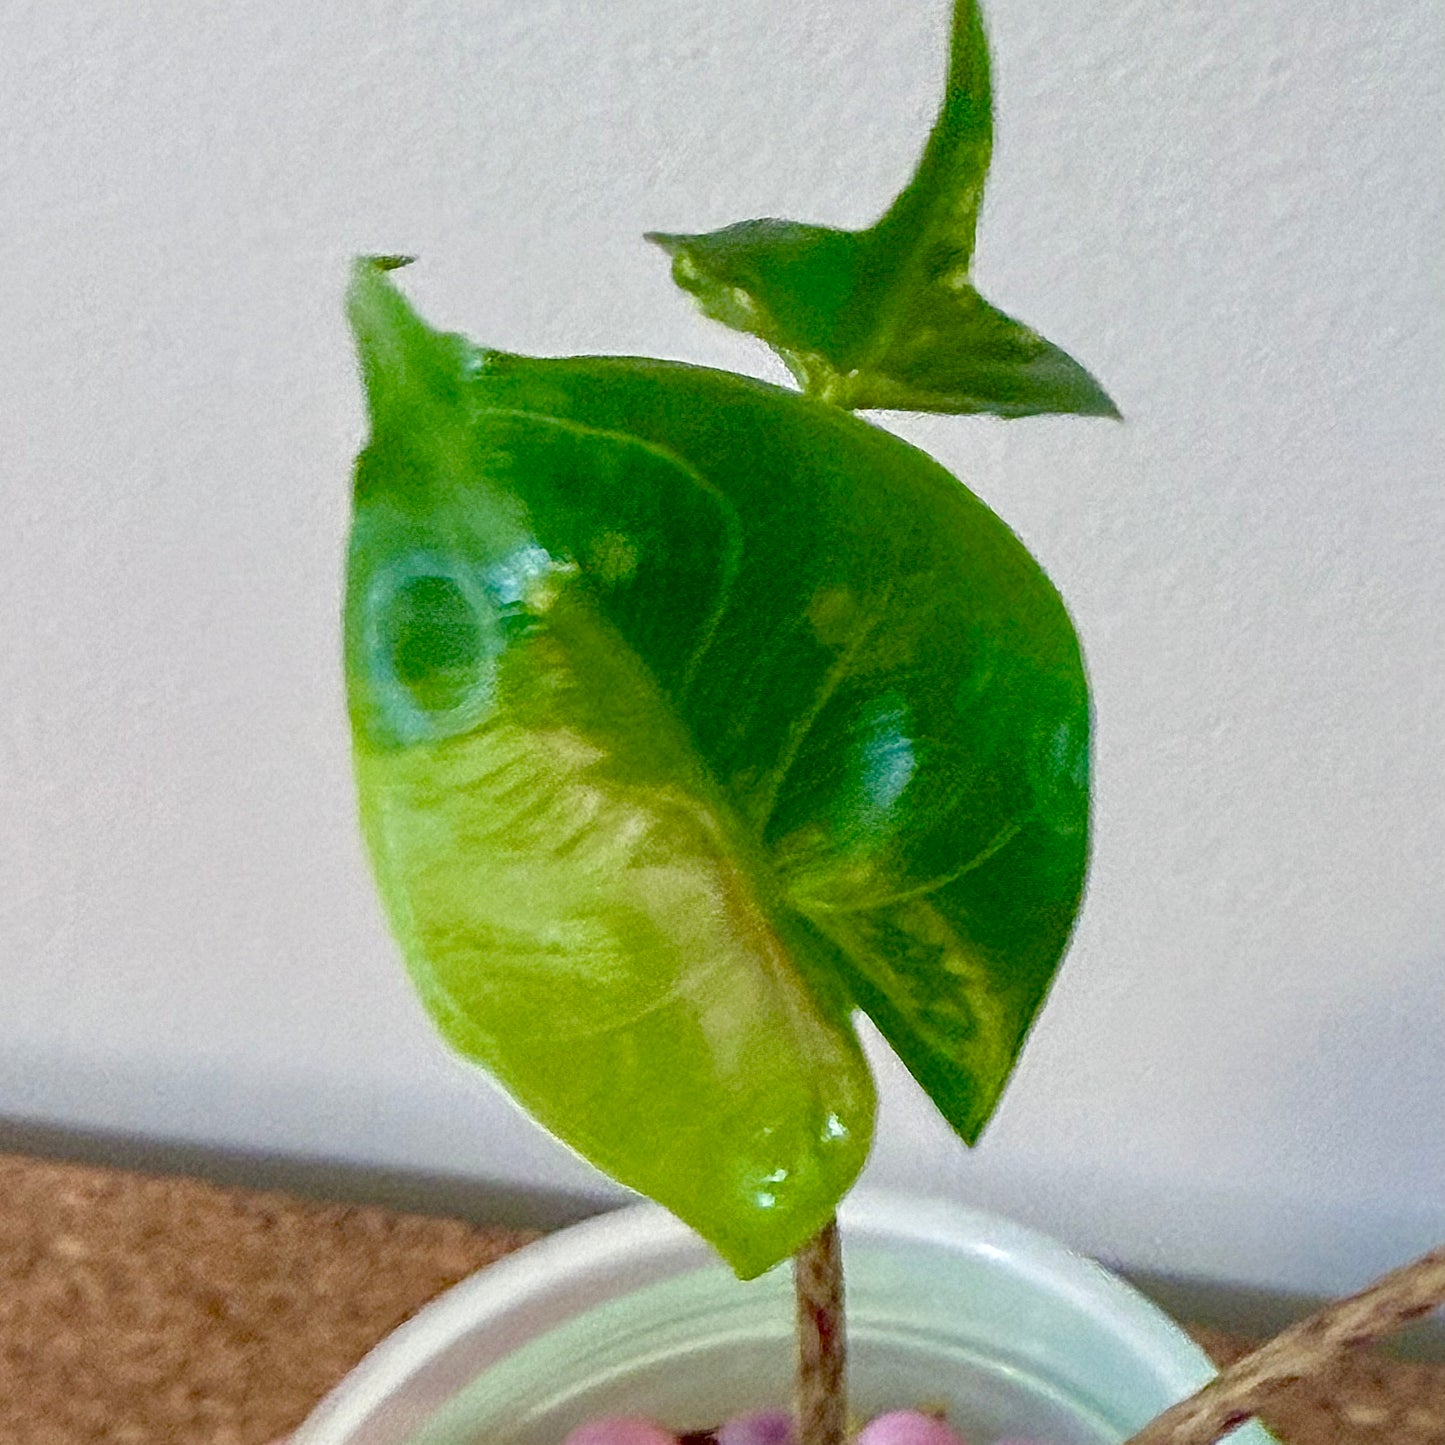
x: 449, y: 1196
x: 1237, y: 1309
x: 1372, y: 1068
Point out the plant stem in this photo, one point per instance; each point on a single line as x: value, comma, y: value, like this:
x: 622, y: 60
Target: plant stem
x: 1302, y: 1350
x: 821, y: 1402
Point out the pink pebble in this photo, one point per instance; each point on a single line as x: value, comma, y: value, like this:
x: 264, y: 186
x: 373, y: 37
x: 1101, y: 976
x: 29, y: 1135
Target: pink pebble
x: 907, y: 1427
x: 762, y: 1427
x: 621, y: 1430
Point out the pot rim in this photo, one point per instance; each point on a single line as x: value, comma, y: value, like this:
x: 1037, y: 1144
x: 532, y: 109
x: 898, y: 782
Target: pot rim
x: 486, y: 1316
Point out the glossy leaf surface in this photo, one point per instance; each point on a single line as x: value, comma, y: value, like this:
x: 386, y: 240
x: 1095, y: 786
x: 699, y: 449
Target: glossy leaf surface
x: 689, y: 715
x: 887, y: 316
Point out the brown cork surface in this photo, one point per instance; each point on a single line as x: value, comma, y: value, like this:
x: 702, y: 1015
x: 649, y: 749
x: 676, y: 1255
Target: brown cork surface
x: 142, y: 1309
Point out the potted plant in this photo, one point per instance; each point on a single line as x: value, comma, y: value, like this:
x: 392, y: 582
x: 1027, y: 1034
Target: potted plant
x: 693, y: 715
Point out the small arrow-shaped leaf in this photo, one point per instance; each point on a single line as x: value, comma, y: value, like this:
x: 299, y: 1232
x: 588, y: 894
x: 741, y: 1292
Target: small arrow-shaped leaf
x: 888, y: 316
x: 690, y: 715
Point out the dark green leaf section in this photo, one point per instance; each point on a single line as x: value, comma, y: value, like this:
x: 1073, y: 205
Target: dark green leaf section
x: 689, y: 715
x: 888, y: 317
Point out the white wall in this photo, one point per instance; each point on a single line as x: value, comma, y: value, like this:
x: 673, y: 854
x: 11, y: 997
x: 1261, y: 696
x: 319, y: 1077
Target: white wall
x: 1232, y: 211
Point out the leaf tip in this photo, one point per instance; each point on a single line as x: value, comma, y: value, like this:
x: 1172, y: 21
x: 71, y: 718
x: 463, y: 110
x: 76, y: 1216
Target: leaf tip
x: 368, y: 287
x: 367, y: 272
x: 1100, y: 403
x: 1080, y: 391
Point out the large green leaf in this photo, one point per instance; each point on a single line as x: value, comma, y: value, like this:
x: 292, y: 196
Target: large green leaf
x: 689, y: 715
x: 887, y: 316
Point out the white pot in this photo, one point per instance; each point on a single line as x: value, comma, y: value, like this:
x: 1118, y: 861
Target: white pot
x: 632, y: 1314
